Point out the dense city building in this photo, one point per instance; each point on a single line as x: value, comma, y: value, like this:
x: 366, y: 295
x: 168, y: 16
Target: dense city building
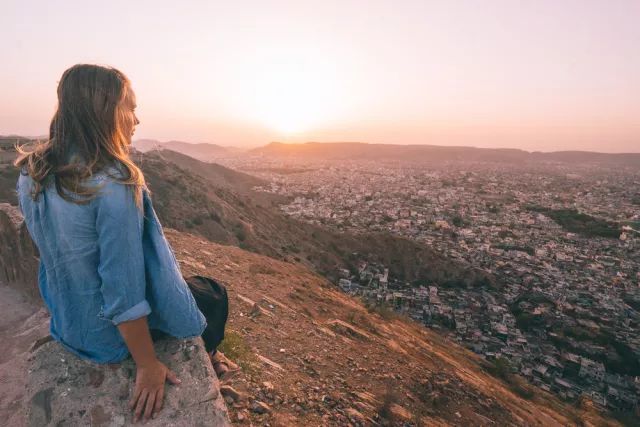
x: 561, y: 240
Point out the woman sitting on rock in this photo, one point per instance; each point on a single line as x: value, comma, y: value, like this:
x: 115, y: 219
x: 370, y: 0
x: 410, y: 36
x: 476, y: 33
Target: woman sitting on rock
x: 107, y: 274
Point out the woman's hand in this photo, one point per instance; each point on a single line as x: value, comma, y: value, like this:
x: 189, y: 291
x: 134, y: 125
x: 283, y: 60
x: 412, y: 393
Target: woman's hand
x: 149, y: 390
x: 151, y: 373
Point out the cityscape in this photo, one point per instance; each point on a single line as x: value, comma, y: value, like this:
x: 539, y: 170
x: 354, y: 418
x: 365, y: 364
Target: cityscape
x: 561, y: 240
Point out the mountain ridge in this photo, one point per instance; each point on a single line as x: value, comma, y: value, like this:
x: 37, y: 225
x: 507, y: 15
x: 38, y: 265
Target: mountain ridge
x: 202, y: 151
x: 367, y: 151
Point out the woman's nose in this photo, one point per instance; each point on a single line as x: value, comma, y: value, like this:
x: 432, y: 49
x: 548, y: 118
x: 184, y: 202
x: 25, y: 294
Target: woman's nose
x: 136, y: 120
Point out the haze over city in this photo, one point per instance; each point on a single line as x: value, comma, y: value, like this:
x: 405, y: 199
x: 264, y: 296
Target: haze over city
x: 541, y: 75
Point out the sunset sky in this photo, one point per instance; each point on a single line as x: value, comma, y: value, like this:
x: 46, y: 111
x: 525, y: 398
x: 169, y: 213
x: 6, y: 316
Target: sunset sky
x: 538, y: 75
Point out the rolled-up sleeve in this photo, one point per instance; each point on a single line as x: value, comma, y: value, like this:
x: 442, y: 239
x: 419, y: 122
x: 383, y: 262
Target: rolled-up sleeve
x: 121, y: 267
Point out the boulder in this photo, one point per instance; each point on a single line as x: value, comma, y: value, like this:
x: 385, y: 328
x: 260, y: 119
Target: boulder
x: 64, y: 390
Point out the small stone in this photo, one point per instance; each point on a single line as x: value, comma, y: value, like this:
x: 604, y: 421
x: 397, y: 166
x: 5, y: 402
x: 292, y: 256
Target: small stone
x: 268, y: 385
x: 230, y: 394
x: 256, y: 310
x: 260, y: 407
x: 355, y: 415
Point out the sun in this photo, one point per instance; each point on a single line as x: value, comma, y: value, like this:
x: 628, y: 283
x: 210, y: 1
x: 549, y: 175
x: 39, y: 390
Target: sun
x: 289, y: 108
x: 292, y: 99
x: 291, y: 94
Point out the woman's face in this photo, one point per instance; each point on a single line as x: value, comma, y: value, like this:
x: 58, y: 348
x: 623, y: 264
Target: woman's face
x: 129, y: 112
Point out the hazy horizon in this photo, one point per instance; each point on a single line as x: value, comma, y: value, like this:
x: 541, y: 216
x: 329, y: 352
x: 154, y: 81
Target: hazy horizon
x: 538, y: 76
x: 252, y: 146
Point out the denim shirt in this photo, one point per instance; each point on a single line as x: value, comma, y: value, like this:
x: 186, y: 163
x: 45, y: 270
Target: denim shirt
x: 104, y: 263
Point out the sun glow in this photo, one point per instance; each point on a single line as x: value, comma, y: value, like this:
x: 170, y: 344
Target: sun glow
x: 290, y: 92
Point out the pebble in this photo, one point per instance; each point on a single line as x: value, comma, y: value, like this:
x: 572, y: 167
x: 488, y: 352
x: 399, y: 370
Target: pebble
x: 260, y: 407
x: 230, y: 394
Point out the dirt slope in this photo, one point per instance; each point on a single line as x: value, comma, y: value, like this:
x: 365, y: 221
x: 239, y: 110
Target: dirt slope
x: 22, y: 322
x: 315, y: 356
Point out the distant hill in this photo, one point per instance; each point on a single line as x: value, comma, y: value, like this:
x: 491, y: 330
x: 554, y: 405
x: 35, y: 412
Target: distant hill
x: 435, y: 153
x: 214, y: 172
x: 202, y: 151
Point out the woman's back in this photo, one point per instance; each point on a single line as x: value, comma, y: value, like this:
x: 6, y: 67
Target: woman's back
x: 102, y: 264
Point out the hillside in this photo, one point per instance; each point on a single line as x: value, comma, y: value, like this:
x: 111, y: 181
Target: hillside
x: 434, y: 153
x: 218, y: 175
x: 201, y: 151
x: 316, y: 356
x: 189, y: 196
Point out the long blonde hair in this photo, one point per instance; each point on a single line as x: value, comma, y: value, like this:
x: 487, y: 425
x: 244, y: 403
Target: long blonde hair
x: 86, y: 135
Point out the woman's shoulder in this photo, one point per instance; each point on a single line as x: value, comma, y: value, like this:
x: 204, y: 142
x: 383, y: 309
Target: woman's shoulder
x: 112, y: 193
x: 111, y: 173
x: 109, y: 180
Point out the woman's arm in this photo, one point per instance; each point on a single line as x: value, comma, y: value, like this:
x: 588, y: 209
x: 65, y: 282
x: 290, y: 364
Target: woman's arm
x: 119, y: 225
x: 151, y: 373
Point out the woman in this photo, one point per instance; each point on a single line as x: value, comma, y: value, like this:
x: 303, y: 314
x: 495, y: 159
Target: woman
x: 107, y: 274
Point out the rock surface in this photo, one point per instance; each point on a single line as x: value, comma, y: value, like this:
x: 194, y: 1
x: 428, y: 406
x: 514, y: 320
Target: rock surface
x: 63, y: 389
x: 18, y: 254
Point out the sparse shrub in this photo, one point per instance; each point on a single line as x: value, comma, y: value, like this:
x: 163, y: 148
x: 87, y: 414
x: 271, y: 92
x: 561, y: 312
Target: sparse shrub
x: 500, y: 368
x: 261, y: 269
x: 240, y: 234
x: 385, y: 412
x: 382, y: 310
x: 351, y: 317
x: 522, y: 390
x: 236, y: 348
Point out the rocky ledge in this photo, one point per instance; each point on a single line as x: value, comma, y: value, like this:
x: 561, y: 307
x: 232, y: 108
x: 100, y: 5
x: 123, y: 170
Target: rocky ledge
x: 64, y: 390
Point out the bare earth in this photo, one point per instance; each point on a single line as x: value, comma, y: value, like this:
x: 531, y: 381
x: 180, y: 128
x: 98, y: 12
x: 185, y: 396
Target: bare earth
x: 21, y: 323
